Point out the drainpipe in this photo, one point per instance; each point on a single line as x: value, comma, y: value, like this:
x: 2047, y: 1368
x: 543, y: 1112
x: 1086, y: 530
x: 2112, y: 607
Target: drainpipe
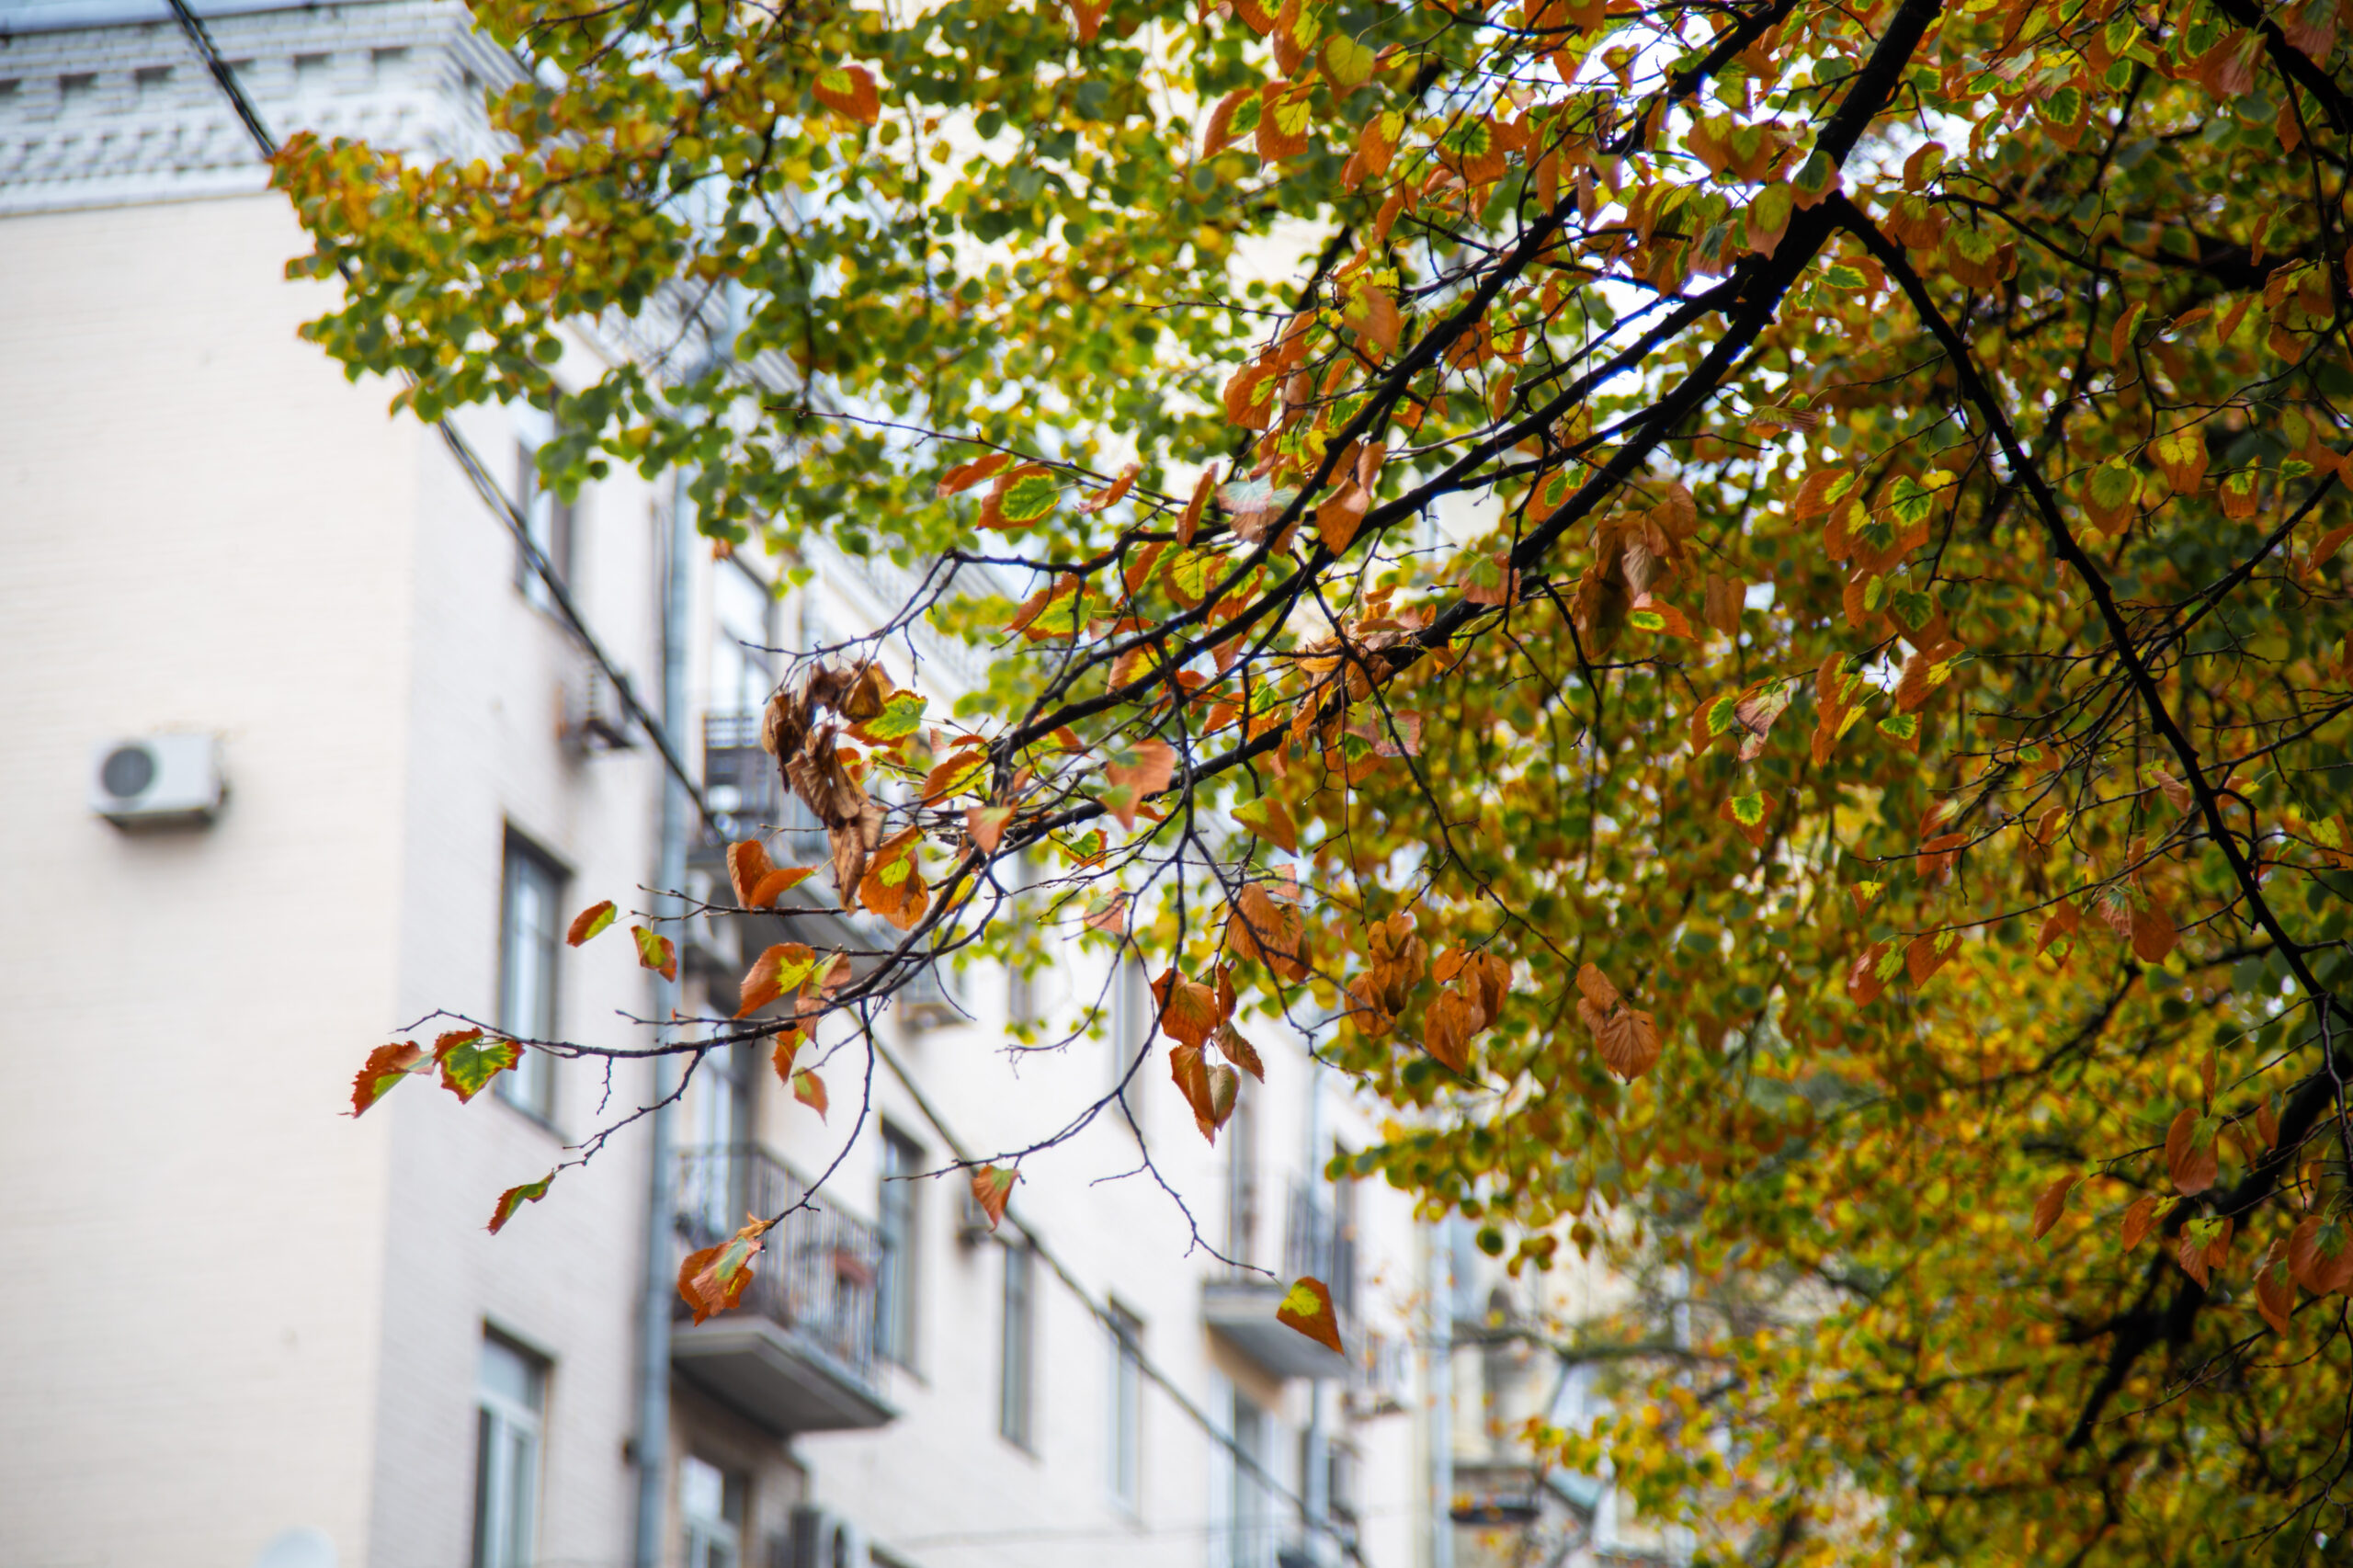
x: 1440, y: 1239
x: 1314, y: 1487
x: 652, y: 1440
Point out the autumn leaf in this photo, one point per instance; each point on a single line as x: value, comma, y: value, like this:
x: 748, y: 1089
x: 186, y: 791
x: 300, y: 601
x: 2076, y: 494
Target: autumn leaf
x: 963, y: 476
x: 588, y: 922
x: 514, y: 1198
x: 1627, y: 1039
x: 2320, y: 1254
x: 785, y: 967
x: 1270, y: 820
x: 809, y: 1090
x: 2153, y: 934
x: 385, y: 1067
x: 2138, y: 1217
x: 847, y: 90
x: 991, y: 1188
x: 1188, y: 1009
x: 2190, y: 1153
x: 2275, y: 1288
x: 2052, y: 1204
x: 656, y: 952
x: 468, y: 1059
x: 1307, y: 1307
x: 1235, y: 1049
x: 713, y: 1279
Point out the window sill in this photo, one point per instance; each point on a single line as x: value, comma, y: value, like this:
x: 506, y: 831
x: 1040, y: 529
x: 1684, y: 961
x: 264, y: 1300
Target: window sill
x: 544, y: 1123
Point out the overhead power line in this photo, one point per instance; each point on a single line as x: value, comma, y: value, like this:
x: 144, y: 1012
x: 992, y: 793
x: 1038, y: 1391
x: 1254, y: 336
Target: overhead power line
x: 501, y: 504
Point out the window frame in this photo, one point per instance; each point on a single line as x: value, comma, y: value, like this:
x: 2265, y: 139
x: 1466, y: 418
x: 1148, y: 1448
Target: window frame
x: 897, y: 1277
x: 506, y: 1529
x: 1125, y: 1450
x: 1016, y: 1350
x: 723, y: 1532
x: 530, y: 1084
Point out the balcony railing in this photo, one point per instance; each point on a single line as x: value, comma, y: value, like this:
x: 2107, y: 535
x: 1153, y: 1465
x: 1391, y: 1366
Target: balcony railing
x: 1240, y: 1304
x: 1316, y: 1241
x: 742, y: 783
x: 816, y: 1275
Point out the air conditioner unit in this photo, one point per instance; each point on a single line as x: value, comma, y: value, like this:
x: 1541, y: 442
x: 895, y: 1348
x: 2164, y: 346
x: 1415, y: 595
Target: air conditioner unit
x: 824, y: 1540
x: 157, y: 781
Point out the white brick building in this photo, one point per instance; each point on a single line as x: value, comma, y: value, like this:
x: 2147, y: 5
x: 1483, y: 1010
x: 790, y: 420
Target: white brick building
x: 237, y: 1329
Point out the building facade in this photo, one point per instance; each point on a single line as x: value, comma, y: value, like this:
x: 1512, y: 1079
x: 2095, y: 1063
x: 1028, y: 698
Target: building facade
x: 241, y: 1329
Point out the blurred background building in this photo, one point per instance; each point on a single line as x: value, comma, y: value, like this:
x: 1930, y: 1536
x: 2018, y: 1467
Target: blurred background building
x: 302, y: 747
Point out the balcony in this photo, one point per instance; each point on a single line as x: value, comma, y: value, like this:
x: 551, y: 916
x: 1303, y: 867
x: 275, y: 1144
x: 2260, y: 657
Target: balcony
x: 744, y: 787
x: 797, y: 1354
x: 1241, y: 1308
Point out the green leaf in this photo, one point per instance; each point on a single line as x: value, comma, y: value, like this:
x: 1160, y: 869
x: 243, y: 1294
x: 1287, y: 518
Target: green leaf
x: 514, y: 1198
x: 469, y: 1059
x: 902, y: 715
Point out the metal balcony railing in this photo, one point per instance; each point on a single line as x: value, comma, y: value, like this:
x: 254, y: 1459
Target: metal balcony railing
x: 742, y: 783
x: 817, y: 1273
x: 1316, y: 1241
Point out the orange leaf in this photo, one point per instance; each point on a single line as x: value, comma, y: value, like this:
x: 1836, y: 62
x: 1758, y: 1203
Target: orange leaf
x: 1307, y: 1307
x: 1189, y: 1009
x: 1113, y: 493
x: 1238, y: 1050
x: 2153, y: 934
x: 2319, y: 1254
x: 1926, y: 955
x: 588, y: 922
x: 2052, y: 1204
x: 1146, y: 767
x: 963, y: 476
x: 714, y: 1278
x: 2275, y: 1288
x: 809, y: 1090
x: 787, y: 1046
x: 777, y: 883
x: 747, y: 862
x: 1627, y: 1039
x: 847, y: 90
x: 784, y: 967
x: 991, y: 1188
x: 2190, y: 1157
x: 385, y: 1067
x: 1270, y: 820
x: 1863, y: 982
x: 514, y: 1198
x: 2138, y: 1219
x: 655, y: 952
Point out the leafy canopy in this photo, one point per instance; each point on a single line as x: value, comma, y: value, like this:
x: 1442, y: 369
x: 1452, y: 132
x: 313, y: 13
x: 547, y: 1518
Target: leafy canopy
x: 1737, y: 605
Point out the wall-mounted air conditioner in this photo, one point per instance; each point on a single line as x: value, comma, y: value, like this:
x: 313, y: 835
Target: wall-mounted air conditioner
x: 822, y: 1538
x: 157, y: 781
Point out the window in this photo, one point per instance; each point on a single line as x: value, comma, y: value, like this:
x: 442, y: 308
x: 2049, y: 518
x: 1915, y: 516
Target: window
x: 742, y: 610
x: 547, y: 519
x: 510, y: 1396
x: 1242, y: 1182
x: 1131, y: 1006
x: 530, y: 926
x: 1014, y: 1362
x: 1126, y: 1448
x: 894, y: 1281
x: 1248, y: 1535
x: 710, y: 1501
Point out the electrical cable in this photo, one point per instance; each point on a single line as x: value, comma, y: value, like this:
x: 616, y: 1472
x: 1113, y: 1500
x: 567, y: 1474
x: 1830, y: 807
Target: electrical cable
x: 501, y: 506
